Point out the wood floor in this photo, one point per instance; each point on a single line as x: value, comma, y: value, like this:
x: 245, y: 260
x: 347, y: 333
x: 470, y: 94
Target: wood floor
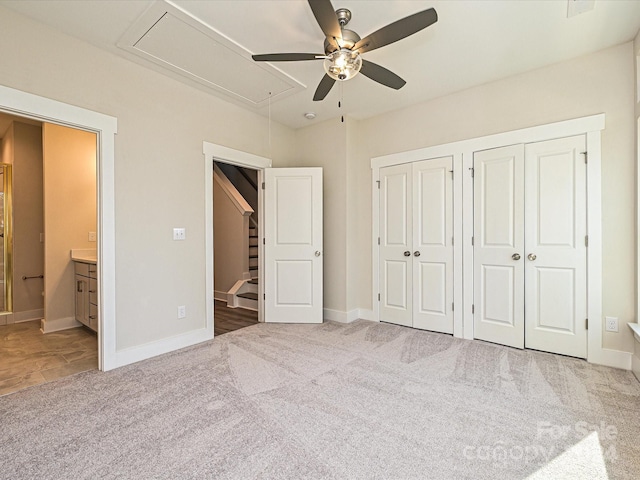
x: 229, y: 319
x: 29, y: 357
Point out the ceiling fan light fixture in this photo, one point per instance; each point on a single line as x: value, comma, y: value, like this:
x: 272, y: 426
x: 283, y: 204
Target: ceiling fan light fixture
x: 343, y: 65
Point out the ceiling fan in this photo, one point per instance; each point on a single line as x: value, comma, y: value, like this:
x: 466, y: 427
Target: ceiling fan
x: 343, y: 48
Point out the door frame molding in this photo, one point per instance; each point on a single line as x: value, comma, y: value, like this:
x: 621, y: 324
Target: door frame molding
x: 219, y: 153
x: 590, y: 126
x: 28, y: 105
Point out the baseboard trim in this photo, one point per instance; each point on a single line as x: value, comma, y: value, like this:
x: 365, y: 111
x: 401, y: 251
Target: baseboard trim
x: 612, y: 358
x: 218, y: 295
x: 28, y: 315
x: 160, y: 347
x: 347, y: 317
x: 48, y: 326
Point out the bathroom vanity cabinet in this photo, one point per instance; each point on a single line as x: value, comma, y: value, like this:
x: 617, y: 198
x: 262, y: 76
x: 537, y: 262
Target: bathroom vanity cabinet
x: 87, y: 294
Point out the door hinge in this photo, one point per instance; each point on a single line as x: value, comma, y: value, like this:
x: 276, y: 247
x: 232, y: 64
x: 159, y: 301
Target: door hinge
x: 471, y: 241
x: 378, y: 297
x: 378, y: 240
x: 472, y: 171
x: 378, y: 182
x: 586, y: 156
x: 586, y: 240
x: 263, y: 185
x: 586, y: 324
x: 473, y: 309
x: 264, y: 241
x: 452, y: 306
x: 452, y: 241
x: 264, y: 296
x: 451, y: 172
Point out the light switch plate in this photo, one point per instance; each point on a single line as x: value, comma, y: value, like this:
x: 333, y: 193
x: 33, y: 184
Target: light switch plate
x: 611, y: 324
x: 92, y: 236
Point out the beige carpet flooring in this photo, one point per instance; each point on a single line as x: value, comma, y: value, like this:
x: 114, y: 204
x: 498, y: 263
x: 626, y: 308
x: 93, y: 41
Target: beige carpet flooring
x: 357, y: 401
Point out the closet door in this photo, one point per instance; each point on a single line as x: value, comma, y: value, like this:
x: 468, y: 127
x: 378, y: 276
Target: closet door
x: 432, y: 245
x: 499, y: 245
x: 396, y: 230
x: 555, y: 273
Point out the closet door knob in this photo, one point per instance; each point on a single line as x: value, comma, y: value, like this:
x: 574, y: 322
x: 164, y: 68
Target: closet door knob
x: 516, y: 256
x: 407, y: 253
x: 416, y: 253
x: 532, y: 256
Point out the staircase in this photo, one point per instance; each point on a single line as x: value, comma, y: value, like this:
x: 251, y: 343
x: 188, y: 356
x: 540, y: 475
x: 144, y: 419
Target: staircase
x: 247, y: 294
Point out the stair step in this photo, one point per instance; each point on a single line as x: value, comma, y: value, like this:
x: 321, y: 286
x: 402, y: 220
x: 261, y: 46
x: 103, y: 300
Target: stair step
x: 253, y: 268
x: 253, y: 236
x: 253, y: 281
x: 253, y: 256
x: 248, y: 295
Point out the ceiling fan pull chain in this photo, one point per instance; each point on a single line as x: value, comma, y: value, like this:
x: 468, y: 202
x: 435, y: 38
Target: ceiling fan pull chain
x: 340, y: 101
x: 270, y: 149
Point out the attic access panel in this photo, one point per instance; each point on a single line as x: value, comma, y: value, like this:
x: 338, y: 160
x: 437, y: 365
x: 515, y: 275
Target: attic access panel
x: 174, y: 40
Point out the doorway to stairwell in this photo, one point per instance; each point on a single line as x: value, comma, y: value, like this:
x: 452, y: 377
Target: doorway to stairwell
x: 236, y: 248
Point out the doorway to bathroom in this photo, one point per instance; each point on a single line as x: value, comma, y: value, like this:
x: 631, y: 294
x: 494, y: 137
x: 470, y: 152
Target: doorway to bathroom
x: 48, y: 208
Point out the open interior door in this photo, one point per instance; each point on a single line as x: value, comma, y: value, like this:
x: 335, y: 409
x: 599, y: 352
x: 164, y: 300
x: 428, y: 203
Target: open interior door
x: 293, y: 245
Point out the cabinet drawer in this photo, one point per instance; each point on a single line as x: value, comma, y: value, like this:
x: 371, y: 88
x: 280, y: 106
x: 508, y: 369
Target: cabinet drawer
x: 82, y: 269
x: 93, y: 270
x: 93, y: 291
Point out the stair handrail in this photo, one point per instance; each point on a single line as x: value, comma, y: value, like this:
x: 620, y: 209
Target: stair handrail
x: 232, y: 192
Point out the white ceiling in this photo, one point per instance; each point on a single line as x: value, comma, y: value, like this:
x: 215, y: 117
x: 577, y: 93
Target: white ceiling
x: 472, y: 43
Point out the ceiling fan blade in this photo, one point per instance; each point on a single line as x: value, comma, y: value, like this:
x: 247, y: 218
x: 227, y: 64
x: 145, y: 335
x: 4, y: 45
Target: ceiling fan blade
x: 381, y: 75
x: 397, y: 30
x: 287, y: 57
x: 326, y: 18
x: 323, y: 88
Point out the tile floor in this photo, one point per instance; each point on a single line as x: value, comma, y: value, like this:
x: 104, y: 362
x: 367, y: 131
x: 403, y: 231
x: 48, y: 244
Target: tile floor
x: 27, y: 357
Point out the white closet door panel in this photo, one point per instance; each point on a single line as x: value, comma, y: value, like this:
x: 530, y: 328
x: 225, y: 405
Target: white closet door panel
x: 293, y: 245
x: 555, y: 273
x: 432, y: 241
x: 396, y: 230
x: 498, y: 240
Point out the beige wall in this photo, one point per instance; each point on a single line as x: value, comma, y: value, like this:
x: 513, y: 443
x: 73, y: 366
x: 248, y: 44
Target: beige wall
x: 159, y: 167
x: 600, y: 82
x: 28, y: 220
x: 69, y: 211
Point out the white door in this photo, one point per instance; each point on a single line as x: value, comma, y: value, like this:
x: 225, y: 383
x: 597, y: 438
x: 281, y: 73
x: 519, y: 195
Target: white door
x: 416, y: 250
x: 499, y: 245
x: 395, y: 245
x: 293, y: 245
x: 555, y: 229
x: 433, y: 245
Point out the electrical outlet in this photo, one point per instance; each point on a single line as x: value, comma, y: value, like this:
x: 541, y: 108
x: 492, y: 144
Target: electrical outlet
x: 611, y: 324
x: 42, y: 238
x: 182, y: 311
x: 92, y: 236
x: 179, y: 234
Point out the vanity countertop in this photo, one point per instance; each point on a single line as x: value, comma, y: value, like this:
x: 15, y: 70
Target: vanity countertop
x: 84, y: 255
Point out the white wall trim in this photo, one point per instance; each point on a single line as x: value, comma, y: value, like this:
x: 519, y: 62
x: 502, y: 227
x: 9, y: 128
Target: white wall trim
x: 346, y: 317
x: 28, y: 315
x: 590, y: 126
x: 165, y: 345
x: 220, y: 153
x: 220, y: 295
x: 48, y: 326
x: 44, y: 109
